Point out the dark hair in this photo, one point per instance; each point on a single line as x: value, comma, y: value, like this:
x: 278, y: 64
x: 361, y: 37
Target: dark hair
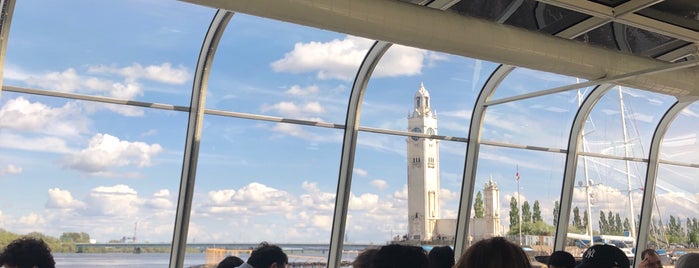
x: 27, y: 252
x: 561, y: 258
x: 265, y: 255
x: 646, y: 252
x: 495, y: 252
x: 230, y: 262
x: 441, y: 257
x: 400, y: 256
x: 364, y: 258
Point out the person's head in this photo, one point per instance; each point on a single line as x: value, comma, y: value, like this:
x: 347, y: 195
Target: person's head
x: 400, y: 256
x: 561, y: 259
x: 604, y: 256
x: 363, y: 259
x: 268, y: 256
x: 689, y: 260
x: 441, y: 257
x: 495, y: 252
x: 651, y: 258
x: 27, y: 252
x: 230, y: 262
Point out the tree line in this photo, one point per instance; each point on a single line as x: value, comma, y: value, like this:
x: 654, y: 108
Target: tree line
x: 609, y: 223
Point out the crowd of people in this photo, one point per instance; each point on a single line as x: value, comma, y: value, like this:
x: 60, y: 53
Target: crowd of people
x: 496, y: 252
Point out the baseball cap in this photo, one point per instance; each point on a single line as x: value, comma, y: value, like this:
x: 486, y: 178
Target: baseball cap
x: 604, y: 256
x: 561, y: 259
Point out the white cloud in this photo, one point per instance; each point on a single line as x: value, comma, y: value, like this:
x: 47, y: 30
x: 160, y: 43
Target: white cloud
x: 360, y: 172
x: 65, y: 81
x: 10, y: 169
x: 42, y: 144
x: 105, y: 152
x: 163, y: 73
x: 32, y: 219
x: 339, y: 59
x: 297, y: 90
x: 290, y: 109
x: 62, y: 199
x: 113, y: 81
x: 161, y: 200
x: 23, y: 115
x: 117, y: 200
x: 379, y: 184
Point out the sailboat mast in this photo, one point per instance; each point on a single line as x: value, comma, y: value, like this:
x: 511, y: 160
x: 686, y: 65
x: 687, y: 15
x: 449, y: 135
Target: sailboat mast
x: 628, y: 165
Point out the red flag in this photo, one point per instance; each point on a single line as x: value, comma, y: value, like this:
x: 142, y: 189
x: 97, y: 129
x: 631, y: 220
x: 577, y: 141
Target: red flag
x: 517, y: 174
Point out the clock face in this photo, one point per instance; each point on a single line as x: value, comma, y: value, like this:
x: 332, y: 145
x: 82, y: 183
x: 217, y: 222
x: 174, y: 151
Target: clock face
x: 430, y: 131
x: 416, y: 130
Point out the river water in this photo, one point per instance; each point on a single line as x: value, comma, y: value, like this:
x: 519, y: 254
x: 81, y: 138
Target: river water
x: 123, y: 260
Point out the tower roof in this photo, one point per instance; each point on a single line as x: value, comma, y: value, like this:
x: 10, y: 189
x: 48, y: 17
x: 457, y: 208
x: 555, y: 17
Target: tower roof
x: 422, y: 91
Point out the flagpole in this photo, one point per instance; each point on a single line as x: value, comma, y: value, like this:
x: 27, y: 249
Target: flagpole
x: 519, y: 203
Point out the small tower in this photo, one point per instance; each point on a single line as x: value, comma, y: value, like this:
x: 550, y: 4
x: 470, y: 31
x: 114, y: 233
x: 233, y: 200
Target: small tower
x: 423, y: 170
x: 492, y: 208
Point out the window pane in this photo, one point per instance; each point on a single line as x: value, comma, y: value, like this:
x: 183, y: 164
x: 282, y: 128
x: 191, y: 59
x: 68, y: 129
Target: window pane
x: 89, y: 47
x: 258, y: 182
x: 452, y: 84
x: 77, y: 166
x: 279, y: 69
x: 522, y: 81
x: 543, y: 121
x: 680, y: 142
x: 380, y: 208
x: 529, y: 186
x: 642, y: 110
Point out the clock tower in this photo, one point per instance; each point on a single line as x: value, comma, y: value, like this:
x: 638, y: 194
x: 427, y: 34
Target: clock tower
x: 423, y: 170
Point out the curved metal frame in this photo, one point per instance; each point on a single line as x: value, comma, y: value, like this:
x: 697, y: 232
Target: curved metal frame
x: 471, y: 161
x: 572, y: 163
x: 652, y: 174
x: 349, y: 146
x: 194, y: 126
x: 7, y: 7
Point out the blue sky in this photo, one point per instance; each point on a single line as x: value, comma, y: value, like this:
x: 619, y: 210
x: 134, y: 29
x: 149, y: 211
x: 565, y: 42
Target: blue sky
x: 79, y: 166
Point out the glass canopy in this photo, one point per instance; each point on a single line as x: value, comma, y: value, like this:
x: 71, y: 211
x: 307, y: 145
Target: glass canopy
x: 173, y: 127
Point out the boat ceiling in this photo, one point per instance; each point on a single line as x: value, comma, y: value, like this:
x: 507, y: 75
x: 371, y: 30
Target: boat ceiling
x: 645, y: 40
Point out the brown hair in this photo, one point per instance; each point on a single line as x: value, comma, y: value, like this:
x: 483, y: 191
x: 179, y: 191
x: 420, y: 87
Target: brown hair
x: 364, y: 258
x: 495, y: 252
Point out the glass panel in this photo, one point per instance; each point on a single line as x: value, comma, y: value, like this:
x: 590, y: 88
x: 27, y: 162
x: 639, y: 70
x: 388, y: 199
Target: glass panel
x: 260, y: 181
x: 452, y: 85
x: 680, y: 142
x: 88, y: 47
x: 280, y: 69
x: 530, y: 178
x: 78, y: 167
x: 612, y: 192
x: 611, y: 130
x: 542, y: 121
x: 390, y: 204
x: 676, y: 198
x: 522, y: 81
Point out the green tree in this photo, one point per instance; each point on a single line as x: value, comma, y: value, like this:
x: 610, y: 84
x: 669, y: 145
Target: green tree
x: 478, y: 206
x: 556, y: 208
x: 526, y: 212
x: 536, y: 215
x: 514, y: 216
x: 619, y: 228
x: 603, y: 224
x: 75, y: 237
x: 585, y: 220
x: 577, y: 222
